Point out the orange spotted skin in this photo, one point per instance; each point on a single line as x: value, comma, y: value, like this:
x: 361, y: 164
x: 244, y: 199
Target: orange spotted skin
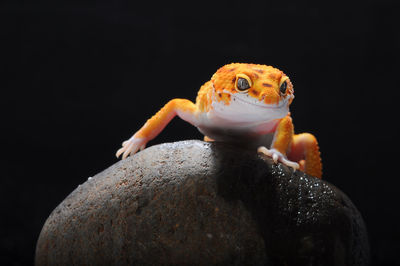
x: 224, y: 106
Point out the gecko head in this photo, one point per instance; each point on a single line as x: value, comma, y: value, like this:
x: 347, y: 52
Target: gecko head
x: 259, y: 85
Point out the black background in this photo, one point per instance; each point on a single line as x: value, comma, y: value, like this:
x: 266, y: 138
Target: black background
x: 79, y: 77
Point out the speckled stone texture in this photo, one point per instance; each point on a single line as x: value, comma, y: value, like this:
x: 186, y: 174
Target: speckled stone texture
x: 200, y: 203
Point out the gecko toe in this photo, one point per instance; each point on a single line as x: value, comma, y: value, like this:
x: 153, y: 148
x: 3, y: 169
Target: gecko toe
x: 126, y: 154
x: 125, y: 143
x: 119, y: 152
x: 291, y: 164
x: 264, y: 150
x: 275, y: 157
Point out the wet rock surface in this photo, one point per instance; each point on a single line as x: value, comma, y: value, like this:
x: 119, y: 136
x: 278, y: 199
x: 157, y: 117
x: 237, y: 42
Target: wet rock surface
x: 200, y: 203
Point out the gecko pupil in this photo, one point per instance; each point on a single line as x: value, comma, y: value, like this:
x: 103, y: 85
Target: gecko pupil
x: 242, y: 84
x: 283, y: 87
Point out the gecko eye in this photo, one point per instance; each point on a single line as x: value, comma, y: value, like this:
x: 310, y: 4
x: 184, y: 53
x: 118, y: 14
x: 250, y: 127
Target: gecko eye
x: 242, y: 84
x: 283, y: 87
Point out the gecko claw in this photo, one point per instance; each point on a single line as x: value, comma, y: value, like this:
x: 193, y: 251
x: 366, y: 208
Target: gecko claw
x: 277, y: 156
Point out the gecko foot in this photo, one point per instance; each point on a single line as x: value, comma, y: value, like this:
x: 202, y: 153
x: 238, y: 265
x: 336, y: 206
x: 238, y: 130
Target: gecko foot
x: 131, y: 146
x: 277, y: 156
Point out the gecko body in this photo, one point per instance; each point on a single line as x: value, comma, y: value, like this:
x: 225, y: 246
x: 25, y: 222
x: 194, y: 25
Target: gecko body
x: 243, y: 103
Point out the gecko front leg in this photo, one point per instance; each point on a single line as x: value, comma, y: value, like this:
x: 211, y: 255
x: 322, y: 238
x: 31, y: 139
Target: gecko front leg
x: 282, y: 139
x: 183, y: 108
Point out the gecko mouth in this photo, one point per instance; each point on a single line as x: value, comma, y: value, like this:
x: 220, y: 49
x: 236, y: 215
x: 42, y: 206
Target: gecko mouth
x: 259, y: 103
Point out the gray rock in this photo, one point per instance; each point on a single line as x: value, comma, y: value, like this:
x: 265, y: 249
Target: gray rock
x: 200, y: 203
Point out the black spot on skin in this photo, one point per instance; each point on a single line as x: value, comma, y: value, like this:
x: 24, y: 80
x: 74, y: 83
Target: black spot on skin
x: 267, y: 85
x: 255, y: 92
